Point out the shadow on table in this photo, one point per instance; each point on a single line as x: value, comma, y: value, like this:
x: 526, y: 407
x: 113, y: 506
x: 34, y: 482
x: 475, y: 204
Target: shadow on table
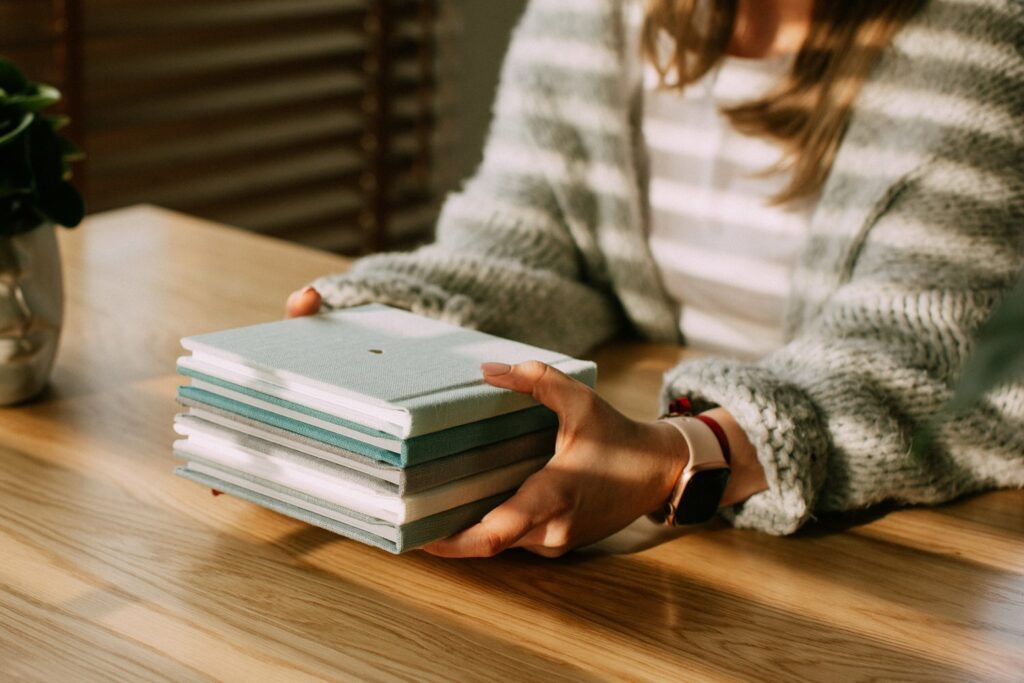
x: 650, y: 609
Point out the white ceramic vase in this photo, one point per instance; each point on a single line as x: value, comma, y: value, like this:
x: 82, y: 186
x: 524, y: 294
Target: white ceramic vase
x: 31, y: 312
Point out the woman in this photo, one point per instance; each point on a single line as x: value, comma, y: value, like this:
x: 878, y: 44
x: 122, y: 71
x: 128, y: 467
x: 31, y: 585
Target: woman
x: 896, y: 129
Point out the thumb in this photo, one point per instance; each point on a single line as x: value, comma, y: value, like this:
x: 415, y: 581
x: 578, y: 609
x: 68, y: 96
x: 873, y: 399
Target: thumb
x: 501, y: 528
x: 547, y: 385
x: 305, y: 301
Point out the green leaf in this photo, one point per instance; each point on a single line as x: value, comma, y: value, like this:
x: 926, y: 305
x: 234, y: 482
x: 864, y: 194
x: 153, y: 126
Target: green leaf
x: 999, y: 355
x: 57, y: 122
x: 35, y: 161
x: 15, y: 169
x: 44, y: 158
x: 26, y: 121
x: 69, y: 151
x: 63, y: 205
x: 43, y: 97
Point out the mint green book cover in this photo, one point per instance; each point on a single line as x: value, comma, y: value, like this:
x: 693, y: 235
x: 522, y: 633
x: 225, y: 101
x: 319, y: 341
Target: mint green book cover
x: 399, y: 373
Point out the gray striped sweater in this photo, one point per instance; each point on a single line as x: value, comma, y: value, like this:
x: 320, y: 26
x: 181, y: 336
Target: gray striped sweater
x: 917, y: 236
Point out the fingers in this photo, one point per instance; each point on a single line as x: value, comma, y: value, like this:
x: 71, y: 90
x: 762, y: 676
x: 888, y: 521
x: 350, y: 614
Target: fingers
x: 499, y: 530
x: 549, y: 386
x: 305, y: 301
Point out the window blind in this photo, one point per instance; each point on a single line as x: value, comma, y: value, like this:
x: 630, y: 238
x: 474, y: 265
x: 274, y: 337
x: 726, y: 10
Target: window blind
x: 306, y: 120
x: 28, y: 36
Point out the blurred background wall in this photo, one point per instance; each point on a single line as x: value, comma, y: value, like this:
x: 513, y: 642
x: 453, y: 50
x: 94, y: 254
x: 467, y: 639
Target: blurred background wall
x: 336, y: 123
x: 480, y: 31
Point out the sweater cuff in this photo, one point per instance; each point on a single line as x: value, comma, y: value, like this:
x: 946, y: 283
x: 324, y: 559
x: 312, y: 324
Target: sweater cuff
x: 356, y: 288
x: 781, y: 422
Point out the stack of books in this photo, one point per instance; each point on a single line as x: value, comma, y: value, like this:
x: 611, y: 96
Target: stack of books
x: 371, y: 422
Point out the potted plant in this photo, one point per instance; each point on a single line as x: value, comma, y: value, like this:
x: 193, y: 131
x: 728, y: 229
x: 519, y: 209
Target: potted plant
x: 35, y: 196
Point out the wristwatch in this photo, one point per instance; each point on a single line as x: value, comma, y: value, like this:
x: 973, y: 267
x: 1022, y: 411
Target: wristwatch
x: 699, y: 491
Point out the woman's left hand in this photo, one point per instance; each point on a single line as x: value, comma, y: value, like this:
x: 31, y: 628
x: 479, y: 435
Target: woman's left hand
x: 305, y: 301
x: 607, y: 471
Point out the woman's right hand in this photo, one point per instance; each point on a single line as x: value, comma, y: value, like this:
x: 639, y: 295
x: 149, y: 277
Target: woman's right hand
x: 607, y: 471
x: 305, y: 301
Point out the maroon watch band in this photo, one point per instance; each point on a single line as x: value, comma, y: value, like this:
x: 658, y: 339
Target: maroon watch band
x: 723, y: 441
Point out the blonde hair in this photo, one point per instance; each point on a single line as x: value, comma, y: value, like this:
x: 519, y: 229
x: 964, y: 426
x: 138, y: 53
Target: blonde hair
x: 808, y: 112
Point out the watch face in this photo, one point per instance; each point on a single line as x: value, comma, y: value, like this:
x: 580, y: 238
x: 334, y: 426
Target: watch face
x: 701, y: 497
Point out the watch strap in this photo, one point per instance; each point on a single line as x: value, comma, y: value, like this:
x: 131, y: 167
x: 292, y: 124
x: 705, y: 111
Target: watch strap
x: 701, y: 440
x: 707, y: 466
x: 723, y: 440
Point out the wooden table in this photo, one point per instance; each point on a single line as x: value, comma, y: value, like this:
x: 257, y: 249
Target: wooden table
x: 111, y: 568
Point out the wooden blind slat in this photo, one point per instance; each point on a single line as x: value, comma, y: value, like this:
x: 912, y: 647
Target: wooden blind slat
x: 183, y: 145
x: 168, y: 58
x: 230, y: 100
x: 297, y: 210
x: 25, y: 24
x: 121, y: 16
x: 109, y: 93
x: 214, y: 180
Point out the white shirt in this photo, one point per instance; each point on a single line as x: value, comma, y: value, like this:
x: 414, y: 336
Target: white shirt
x: 724, y: 253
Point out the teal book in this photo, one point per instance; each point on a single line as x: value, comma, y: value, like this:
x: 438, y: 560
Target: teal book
x: 377, y: 445
x: 383, y: 372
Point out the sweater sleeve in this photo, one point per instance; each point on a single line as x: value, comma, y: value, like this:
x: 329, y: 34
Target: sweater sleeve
x: 504, y: 260
x: 833, y: 414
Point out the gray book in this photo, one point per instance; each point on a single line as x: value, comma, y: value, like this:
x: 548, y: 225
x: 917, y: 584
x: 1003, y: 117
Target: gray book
x: 298, y: 505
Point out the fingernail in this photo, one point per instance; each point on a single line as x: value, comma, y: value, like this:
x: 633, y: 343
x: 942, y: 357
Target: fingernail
x: 306, y: 290
x: 495, y: 368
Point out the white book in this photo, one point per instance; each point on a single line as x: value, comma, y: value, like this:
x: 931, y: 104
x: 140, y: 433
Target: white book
x: 334, y: 487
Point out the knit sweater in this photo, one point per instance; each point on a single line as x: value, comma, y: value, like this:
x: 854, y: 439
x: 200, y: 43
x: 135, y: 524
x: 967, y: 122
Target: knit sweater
x: 917, y: 236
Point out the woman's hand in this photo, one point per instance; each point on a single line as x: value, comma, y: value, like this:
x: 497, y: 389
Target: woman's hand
x: 305, y: 301
x: 607, y: 471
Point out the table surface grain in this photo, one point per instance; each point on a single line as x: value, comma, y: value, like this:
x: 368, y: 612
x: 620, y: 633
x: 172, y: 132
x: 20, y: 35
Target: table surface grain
x: 111, y: 568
